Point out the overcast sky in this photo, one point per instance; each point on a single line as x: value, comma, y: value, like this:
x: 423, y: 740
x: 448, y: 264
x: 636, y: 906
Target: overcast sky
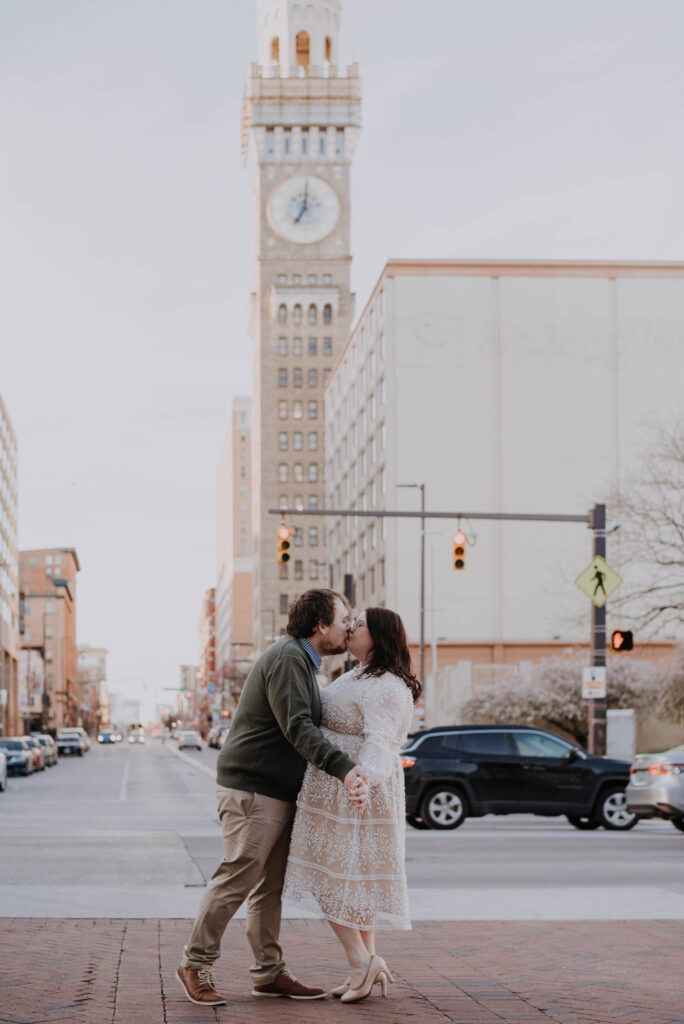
x: 497, y: 128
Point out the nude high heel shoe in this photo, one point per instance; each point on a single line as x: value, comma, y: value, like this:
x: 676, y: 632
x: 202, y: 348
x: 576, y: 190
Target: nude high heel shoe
x: 378, y: 972
x: 341, y: 989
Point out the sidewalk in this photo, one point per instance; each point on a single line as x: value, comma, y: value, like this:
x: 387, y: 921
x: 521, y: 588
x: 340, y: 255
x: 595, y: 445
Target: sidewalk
x: 482, y: 972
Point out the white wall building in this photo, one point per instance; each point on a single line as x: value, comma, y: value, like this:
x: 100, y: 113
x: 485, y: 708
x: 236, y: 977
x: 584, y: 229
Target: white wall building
x: 501, y: 386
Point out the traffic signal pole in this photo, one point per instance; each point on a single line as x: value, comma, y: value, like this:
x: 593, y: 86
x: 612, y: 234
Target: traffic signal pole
x: 597, y: 705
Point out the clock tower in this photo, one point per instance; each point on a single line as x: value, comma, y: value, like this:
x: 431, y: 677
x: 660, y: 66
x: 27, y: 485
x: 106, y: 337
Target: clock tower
x: 301, y: 119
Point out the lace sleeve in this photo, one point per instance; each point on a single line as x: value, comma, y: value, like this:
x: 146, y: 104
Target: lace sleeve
x: 386, y: 708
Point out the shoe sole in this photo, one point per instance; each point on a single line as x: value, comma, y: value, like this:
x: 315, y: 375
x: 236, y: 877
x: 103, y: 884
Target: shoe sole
x: 198, y: 1002
x: 284, y: 995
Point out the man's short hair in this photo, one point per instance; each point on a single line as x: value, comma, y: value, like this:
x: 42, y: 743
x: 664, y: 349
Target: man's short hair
x: 310, y: 608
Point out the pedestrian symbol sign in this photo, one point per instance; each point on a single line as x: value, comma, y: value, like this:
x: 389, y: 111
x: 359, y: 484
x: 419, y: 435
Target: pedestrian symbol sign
x: 598, y: 581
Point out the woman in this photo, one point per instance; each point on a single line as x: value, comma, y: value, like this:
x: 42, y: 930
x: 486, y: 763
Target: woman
x: 343, y: 863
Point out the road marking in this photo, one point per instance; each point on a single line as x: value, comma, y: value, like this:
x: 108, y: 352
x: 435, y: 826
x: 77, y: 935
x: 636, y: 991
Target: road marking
x: 211, y: 772
x: 123, y: 792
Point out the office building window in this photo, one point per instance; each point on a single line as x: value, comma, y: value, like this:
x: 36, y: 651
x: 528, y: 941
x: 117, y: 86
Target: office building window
x: 313, y: 569
x: 298, y: 537
x: 282, y: 441
x: 297, y: 378
x: 283, y: 604
x: 327, y: 313
x: 326, y: 377
x: 313, y: 501
x: 327, y: 346
x: 312, y: 279
x: 282, y: 313
x: 313, y: 346
x: 313, y: 314
x: 297, y: 347
x: 282, y: 472
x: 299, y: 570
x: 299, y: 502
x: 297, y: 314
x: 313, y: 410
x: 283, y: 571
x: 298, y: 472
x: 313, y: 473
x: 313, y: 536
x: 282, y: 410
x: 313, y: 378
x: 327, y: 279
x: 282, y: 378
x: 49, y: 608
x: 282, y: 278
x: 282, y: 346
x: 282, y: 501
x: 297, y: 441
x: 297, y: 410
x: 313, y: 442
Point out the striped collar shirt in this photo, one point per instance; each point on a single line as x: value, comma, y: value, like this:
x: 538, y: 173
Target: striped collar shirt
x: 311, y: 651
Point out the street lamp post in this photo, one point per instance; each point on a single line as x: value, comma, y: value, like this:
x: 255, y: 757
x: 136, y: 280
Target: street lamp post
x: 421, y: 488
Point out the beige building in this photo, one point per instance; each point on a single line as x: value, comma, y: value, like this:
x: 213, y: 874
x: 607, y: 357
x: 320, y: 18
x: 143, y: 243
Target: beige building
x: 301, y: 119
x: 10, y: 715
x: 92, y: 686
x: 501, y: 386
x: 48, y: 582
x: 234, y: 548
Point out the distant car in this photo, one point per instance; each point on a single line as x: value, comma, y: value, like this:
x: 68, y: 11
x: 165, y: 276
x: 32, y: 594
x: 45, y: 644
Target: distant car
x: 70, y: 742
x: 189, y: 739
x: 107, y: 736
x: 455, y: 772
x: 136, y: 736
x: 39, y: 759
x: 19, y: 755
x: 3, y: 771
x: 656, y: 786
x: 212, y: 736
x: 81, y: 732
x: 49, y: 746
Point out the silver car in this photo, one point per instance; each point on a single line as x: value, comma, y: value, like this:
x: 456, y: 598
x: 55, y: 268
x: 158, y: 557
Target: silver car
x: 656, y: 786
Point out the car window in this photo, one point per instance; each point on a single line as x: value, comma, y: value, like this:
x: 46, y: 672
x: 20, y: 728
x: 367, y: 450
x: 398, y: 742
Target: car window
x: 431, y: 746
x: 483, y: 742
x: 537, y: 744
x: 12, y: 744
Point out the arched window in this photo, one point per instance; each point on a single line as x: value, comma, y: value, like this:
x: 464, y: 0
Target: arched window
x: 313, y: 314
x: 302, y: 51
x: 327, y: 313
x: 297, y: 314
x: 282, y: 314
x: 275, y: 50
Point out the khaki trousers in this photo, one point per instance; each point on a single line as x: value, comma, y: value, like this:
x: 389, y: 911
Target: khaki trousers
x: 256, y: 838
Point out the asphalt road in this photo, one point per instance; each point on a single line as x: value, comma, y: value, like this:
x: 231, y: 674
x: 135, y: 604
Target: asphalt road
x: 143, y: 815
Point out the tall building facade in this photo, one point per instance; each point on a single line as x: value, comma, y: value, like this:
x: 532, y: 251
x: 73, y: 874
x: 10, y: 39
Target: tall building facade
x: 48, y: 582
x: 10, y: 715
x: 503, y: 386
x: 234, y: 549
x: 92, y: 685
x: 301, y: 119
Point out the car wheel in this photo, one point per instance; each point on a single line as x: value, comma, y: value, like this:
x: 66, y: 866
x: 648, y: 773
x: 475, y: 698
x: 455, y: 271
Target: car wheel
x: 584, y: 824
x: 678, y: 823
x: 416, y: 822
x: 612, y: 812
x: 443, y: 807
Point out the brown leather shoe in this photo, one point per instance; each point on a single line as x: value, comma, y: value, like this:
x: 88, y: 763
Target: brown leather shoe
x: 198, y: 986
x: 284, y: 984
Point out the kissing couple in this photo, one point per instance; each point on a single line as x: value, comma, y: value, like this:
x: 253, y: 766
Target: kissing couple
x: 311, y: 801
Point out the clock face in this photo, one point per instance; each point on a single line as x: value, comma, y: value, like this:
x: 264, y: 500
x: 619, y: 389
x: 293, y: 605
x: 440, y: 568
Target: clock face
x: 303, y: 209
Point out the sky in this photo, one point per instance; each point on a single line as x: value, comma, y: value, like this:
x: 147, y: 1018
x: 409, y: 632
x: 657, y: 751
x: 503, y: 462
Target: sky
x: 491, y: 128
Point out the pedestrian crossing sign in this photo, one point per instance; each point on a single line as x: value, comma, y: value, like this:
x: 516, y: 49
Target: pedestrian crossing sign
x: 598, y: 581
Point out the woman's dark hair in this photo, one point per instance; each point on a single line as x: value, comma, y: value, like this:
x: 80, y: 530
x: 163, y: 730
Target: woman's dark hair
x: 310, y: 608
x: 390, y: 651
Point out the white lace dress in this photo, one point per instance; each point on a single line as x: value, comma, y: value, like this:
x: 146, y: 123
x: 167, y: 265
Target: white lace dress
x: 345, y: 865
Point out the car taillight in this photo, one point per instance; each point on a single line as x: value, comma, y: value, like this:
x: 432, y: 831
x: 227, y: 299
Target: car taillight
x: 665, y: 769
x: 408, y: 762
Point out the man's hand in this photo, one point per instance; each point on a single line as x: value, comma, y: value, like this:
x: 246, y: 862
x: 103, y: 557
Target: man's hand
x: 357, y: 785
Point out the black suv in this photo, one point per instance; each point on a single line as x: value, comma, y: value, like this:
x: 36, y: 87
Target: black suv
x: 457, y: 771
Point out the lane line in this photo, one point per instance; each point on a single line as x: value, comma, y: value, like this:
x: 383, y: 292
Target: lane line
x: 211, y: 772
x: 123, y: 792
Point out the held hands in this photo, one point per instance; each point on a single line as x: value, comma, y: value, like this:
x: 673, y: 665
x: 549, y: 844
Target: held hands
x: 357, y: 785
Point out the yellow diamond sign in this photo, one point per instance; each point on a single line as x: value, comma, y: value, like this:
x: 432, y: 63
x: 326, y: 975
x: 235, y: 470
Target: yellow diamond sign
x: 598, y: 581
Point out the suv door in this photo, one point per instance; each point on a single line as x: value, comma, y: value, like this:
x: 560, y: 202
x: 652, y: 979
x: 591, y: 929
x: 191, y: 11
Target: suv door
x: 547, y: 780
x: 489, y: 762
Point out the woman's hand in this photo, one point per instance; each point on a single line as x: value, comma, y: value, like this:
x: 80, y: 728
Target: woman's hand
x: 357, y: 785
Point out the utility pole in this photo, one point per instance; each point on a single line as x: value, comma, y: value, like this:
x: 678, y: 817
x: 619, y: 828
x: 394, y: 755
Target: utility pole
x: 597, y: 705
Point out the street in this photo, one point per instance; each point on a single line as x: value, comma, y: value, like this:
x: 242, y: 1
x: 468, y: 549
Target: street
x: 138, y: 824
x: 515, y: 920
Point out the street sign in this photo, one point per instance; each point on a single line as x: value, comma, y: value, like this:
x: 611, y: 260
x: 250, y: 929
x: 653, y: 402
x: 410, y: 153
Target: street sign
x: 593, y: 682
x: 598, y: 581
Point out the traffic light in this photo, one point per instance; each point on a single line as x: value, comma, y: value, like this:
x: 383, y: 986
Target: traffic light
x: 284, y: 534
x: 621, y: 640
x: 459, y: 540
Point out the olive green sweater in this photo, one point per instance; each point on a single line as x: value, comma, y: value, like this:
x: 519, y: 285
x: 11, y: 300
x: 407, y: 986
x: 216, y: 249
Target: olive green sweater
x: 275, y: 727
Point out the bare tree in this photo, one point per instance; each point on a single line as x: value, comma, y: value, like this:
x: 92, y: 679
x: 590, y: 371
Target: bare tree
x: 553, y: 699
x: 651, y: 506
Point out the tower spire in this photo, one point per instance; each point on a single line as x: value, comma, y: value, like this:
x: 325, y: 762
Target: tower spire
x: 297, y: 39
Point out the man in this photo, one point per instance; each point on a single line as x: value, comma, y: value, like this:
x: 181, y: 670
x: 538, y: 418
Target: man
x: 259, y: 773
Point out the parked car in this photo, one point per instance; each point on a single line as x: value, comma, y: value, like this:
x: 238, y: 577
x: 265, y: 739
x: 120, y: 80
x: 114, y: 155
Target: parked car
x: 213, y: 735
x: 70, y: 742
x: 455, y: 772
x: 19, y: 755
x: 81, y: 732
x: 3, y: 771
x: 38, y: 754
x: 189, y: 738
x: 656, y: 786
x: 107, y: 736
x: 49, y: 746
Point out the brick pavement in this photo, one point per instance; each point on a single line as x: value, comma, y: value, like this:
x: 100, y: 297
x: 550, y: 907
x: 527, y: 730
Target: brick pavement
x: 122, y: 972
